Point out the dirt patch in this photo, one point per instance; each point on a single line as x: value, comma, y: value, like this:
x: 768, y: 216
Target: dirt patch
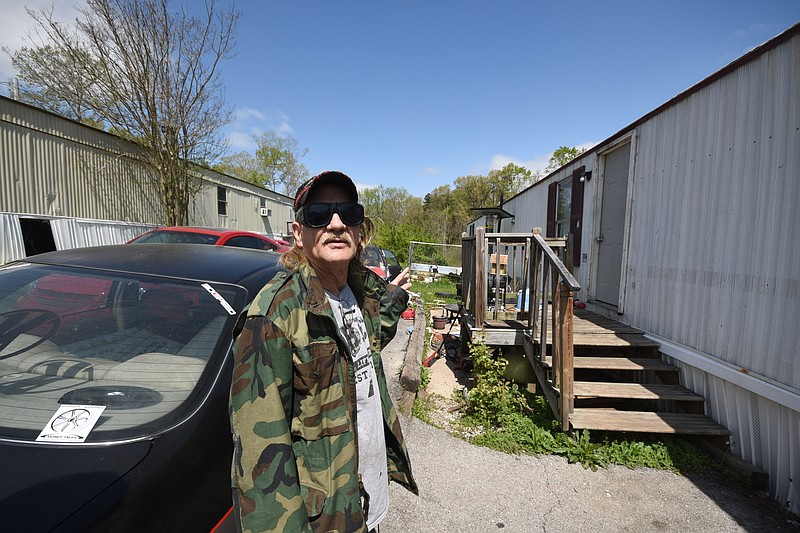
x: 449, y: 378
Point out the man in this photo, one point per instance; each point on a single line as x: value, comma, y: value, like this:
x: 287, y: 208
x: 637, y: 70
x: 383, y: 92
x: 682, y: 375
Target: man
x: 316, y: 437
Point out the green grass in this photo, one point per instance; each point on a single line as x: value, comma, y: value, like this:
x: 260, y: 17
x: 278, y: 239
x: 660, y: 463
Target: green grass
x: 427, y: 291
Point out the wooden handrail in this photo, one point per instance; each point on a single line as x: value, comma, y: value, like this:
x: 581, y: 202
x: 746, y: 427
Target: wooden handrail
x: 565, y: 274
x: 551, y: 281
x: 550, y: 288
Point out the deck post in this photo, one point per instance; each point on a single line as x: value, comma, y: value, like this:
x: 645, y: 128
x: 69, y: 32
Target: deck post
x: 481, y: 280
x: 567, y: 399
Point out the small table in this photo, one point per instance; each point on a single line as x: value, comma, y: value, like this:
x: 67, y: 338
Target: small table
x: 452, y: 310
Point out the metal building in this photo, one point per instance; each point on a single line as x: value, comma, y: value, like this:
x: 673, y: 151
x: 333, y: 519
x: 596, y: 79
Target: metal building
x: 684, y: 225
x: 61, y: 181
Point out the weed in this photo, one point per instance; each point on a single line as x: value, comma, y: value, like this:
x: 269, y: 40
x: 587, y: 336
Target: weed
x: 424, y: 405
x: 424, y: 377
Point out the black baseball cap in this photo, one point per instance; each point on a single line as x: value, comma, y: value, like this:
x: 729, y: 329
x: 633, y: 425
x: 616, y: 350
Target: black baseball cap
x: 328, y: 176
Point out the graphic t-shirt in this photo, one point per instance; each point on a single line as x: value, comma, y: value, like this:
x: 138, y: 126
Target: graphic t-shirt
x: 371, y: 440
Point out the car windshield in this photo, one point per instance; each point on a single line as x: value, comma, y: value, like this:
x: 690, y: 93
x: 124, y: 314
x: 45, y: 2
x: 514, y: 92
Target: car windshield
x: 390, y: 258
x: 372, y: 256
x: 139, y: 350
x: 176, y: 237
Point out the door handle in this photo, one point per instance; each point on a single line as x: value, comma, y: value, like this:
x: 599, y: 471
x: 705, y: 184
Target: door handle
x: 600, y: 238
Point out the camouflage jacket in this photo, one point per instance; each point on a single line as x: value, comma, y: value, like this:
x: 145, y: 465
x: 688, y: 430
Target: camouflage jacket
x: 293, y: 413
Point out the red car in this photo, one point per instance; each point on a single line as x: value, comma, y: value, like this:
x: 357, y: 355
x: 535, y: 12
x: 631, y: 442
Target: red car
x: 215, y: 236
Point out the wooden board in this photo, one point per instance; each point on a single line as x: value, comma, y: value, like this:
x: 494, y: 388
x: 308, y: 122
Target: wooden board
x: 623, y: 363
x: 634, y: 391
x: 645, y: 422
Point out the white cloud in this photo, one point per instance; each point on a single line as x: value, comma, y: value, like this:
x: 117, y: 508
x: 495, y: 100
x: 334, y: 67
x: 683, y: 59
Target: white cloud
x: 243, y: 114
x: 249, y: 121
x: 241, y: 141
x: 430, y: 170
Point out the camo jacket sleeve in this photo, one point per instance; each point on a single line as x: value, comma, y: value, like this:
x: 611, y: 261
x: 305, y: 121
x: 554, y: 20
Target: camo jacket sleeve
x: 267, y: 493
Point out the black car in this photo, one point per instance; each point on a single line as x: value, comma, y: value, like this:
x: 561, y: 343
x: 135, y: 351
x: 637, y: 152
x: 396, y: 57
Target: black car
x: 115, y: 368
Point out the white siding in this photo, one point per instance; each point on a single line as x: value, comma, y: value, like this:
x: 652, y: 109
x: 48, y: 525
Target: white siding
x: 714, y: 260
x: 764, y: 433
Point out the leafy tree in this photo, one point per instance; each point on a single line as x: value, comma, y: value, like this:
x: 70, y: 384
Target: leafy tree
x: 397, y: 215
x: 241, y: 165
x: 140, y: 69
x: 49, y: 73
x: 276, y: 164
x: 561, y: 156
x: 279, y: 160
x: 508, y: 181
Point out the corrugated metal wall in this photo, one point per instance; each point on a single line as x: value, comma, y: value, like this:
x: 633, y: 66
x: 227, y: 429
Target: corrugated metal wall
x: 244, y: 203
x: 13, y: 247
x: 714, y: 258
x: 46, y: 168
x: 67, y: 233
x: 764, y: 433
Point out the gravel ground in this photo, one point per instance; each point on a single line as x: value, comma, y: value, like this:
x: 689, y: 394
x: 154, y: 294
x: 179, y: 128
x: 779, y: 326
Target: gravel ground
x: 465, y: 488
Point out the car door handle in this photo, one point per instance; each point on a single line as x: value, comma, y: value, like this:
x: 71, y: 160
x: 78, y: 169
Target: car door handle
x: 600, y: 238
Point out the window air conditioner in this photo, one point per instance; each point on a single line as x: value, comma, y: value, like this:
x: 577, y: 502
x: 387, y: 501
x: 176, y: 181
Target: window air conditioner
x: 265, y: 211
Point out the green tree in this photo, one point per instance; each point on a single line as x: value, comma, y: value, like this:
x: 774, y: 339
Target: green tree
x: 508, y: 181
x: 48, y: 74
x: 241, y: 165
x: 143, y: 70
x: 397, y: 216
x: 561, y: 156
x: 278, y: 159
x: 276, y: 164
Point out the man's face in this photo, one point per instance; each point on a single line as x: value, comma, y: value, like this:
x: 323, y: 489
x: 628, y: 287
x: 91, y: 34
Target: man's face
x: 334, y: 245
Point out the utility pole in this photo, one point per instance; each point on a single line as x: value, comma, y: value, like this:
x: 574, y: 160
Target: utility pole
x: 14, y: 88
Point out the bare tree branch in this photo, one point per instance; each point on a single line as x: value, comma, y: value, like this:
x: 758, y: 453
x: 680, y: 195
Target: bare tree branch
x: 145, y: 71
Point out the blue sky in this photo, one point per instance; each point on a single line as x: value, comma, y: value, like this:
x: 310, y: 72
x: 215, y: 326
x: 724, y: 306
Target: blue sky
x: 414, y: 94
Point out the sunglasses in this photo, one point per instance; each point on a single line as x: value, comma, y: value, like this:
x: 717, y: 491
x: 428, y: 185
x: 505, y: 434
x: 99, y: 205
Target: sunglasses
x: 320, y: 215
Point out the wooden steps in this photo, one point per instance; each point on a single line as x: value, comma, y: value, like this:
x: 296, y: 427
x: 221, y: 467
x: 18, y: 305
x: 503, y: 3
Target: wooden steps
x: 645, y: 422
x: 634, y: 391
x: 622, y: 385
x: 636, y: 364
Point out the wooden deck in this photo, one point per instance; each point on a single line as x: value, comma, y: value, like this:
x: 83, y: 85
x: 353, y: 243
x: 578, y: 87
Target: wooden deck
x: 589, y: 329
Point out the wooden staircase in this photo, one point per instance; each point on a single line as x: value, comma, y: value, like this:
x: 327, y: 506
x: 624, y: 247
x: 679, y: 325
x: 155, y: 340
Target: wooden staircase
x: 622, y: 385
x: 595, y: 372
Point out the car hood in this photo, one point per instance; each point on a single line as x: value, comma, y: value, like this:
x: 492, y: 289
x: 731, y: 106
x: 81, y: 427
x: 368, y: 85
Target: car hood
x: 43, y: 485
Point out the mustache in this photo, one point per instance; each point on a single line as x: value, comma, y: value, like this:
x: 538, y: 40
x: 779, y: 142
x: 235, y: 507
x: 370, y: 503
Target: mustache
x: 331, y: 236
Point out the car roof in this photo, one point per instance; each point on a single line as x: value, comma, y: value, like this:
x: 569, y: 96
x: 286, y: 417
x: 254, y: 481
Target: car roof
x: 221, y: 264
x: 199, y: 229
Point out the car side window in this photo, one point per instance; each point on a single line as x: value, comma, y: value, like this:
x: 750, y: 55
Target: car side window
x: 266, y: 245
x: 244, y: 241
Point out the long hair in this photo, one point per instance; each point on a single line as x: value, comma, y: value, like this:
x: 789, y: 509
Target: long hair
x: 295, y: 257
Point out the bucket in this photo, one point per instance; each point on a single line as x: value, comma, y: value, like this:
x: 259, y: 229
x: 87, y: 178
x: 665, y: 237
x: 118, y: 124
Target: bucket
x: 439, y: 322
x: 527, y: 300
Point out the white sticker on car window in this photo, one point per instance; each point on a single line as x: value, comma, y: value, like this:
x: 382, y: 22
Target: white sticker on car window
x: 219, y: 298
x: 71, y: 423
